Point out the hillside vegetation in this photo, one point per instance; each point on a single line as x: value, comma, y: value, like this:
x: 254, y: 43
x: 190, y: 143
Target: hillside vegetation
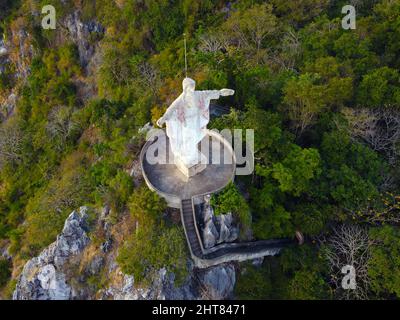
x: 324, y: 103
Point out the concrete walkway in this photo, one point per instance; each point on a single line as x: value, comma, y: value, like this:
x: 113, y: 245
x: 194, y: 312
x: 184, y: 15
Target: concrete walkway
x: 241, y: 251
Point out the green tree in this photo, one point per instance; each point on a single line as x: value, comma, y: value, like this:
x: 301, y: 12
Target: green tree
x: 307, y: 285
x: 351, y: 171
x: 311, y: 219
x: 295, y: 172
x: 253, y: 283
x: 384, y: 264
x: 380, y: 87
x: 336, y: 79
x: 300, y: 11
x: 308, y: 274
x: 230, y: 200
x: 304, y: 101
x: 273, y: 223
x: 146, y: 204
x: 251, y: 27
x: 154, y: 244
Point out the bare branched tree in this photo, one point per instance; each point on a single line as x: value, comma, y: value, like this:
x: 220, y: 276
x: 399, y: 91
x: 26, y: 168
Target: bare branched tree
x: 248, y: 30
x: 378, y: 128
x: 61, y: 125
x: 148, y: 75
x: 288, y: 51
x: 213, y: 42
x: 348, y: 245
x: 10, y: 142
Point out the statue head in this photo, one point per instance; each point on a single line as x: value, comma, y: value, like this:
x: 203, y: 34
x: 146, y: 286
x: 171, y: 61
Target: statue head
x: 188, y: 85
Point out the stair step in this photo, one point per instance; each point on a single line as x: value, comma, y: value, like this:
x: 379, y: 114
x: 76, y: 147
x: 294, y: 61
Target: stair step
x: 189, y: 222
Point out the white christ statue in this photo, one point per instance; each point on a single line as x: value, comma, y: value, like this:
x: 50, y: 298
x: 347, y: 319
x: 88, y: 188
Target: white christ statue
x: 186, y: 120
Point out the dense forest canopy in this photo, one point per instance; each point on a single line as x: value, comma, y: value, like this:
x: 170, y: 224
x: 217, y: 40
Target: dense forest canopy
x: 324, y: 103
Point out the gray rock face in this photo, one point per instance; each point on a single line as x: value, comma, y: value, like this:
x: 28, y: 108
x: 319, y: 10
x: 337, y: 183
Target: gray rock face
x: 4, y: 252
x: 105, y: 212
x: 43, y: 277
x: 3, y: 49
x: 49, y: 276
x: 107, y: 244
x: 22, y: 40
x: 9, y: 106
x: 217, y: 229
x: 95, y: 265
x: 210, y: 234
x: 227, y: 231
x: 209, y: 231
x: 136, y: 173
x: 163, y: 288
x: 218, y: 282
x: 258, y: 262
x: 80, y: 33
x: 145, y: 129
x: 213, y: 283
x: 208, y: 211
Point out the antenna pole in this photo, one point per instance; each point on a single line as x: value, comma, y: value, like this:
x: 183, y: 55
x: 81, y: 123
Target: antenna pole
x: 184, y: 41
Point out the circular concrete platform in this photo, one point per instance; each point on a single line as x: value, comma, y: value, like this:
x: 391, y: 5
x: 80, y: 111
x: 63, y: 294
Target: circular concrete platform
x: 170, y: 183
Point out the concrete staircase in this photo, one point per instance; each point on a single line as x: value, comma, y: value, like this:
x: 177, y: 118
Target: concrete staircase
x: 241, y: 251
x: 190, y: 227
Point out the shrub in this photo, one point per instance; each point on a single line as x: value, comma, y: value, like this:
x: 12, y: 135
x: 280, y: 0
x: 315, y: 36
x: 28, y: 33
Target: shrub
x: 154, y: 244
x: 253, y: 283
x: 5, y: 271
x: 146, y: 204
x: 230, y: 200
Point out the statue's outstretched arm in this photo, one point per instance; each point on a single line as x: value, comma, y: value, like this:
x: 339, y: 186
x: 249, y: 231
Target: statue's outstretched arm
x: 167, y: 115
x: 215, y: 94
x: 227, y: 92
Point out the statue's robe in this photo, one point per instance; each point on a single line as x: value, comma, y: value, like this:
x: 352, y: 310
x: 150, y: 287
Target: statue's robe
x: 187, y: 119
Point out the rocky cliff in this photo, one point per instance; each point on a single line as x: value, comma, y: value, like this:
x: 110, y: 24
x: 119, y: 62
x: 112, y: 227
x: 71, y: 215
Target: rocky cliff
x: 18, y: 51
x: 63, y: 271
x: 45, y: 277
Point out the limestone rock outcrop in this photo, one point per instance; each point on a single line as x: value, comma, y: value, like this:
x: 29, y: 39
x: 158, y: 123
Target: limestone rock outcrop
x: 3, y: 49
x: 162, y: 288
x: 218, y: 282
x: 213, y: 283
x: 52, y: 275
x: 80, y: 33
x: 216, y: 229
x: 44, y: 277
